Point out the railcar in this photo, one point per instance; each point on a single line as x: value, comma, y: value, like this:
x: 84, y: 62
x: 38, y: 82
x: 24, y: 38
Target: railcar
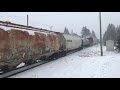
x: 72, y: 42
x: 91, y: 40
x: 18, y: 46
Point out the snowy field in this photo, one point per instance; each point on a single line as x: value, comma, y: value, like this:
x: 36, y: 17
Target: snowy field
x: 86, y: 63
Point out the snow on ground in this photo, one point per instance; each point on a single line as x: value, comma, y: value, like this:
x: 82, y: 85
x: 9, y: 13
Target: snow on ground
x: 21, y: 65
x: 86, y: 63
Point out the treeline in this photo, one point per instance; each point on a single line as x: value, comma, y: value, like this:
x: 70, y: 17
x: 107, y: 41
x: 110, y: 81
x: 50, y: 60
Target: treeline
x: 66, y: 31
x: 85, y: 32
x: 112, y: 33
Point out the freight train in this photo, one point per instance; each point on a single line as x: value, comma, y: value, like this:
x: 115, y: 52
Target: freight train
x: 22, y: 45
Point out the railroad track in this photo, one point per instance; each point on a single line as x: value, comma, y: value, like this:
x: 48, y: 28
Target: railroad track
x: 25, y: 68
x: 21, y: 69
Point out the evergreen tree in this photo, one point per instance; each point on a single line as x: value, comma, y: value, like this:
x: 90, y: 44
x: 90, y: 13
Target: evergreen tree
x: 117, y: 28
x: 110, y: 34
x: 93, y: 34
x: 85, y: 32
x: 66, y: 31
x: 105, y: 38
x: 71, y: 32
x: 118, y: 38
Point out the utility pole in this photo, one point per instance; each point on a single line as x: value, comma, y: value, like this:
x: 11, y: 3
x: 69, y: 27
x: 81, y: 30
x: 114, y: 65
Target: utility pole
x: 100, y: 34
x: 27, y: 20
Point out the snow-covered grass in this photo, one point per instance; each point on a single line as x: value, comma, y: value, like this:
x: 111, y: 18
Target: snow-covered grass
x: 86, y: 63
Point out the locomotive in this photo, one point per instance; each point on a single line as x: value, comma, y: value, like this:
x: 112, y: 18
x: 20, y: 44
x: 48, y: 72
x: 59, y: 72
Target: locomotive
x: 21, y: 45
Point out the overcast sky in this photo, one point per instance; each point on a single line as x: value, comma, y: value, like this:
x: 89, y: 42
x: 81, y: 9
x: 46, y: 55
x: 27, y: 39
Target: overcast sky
x: 72, y: 20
